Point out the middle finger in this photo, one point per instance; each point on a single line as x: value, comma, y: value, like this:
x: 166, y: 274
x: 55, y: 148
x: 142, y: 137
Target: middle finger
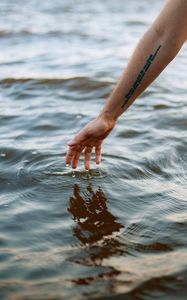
x: 87, y: 157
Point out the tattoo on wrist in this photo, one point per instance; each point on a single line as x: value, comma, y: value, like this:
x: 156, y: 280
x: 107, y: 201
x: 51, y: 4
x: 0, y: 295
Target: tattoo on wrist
x: 140, y: 76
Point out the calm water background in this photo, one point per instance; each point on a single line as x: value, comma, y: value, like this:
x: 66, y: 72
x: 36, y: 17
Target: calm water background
x: 121, y: 229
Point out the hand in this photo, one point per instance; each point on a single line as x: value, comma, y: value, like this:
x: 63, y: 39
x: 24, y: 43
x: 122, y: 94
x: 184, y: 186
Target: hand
x: 91, y: 136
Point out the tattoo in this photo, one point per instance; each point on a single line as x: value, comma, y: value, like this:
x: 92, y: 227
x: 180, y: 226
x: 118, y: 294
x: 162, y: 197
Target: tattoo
x: 140, y: 76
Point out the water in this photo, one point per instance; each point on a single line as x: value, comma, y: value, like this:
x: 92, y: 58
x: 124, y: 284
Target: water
x: 118, y: 231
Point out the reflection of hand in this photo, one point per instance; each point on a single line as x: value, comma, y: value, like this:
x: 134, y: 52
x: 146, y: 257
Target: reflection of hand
x: 90, y: 212
x: 91, y: 136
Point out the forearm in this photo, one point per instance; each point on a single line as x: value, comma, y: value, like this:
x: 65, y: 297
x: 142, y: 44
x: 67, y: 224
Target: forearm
x: 152, y: 54
x: 159, y: 45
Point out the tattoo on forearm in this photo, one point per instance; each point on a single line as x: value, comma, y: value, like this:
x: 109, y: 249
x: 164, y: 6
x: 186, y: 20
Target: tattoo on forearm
x: 140, y: 76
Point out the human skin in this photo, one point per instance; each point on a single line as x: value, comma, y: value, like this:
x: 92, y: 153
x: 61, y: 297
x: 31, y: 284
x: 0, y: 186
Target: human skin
x: 155, y: 50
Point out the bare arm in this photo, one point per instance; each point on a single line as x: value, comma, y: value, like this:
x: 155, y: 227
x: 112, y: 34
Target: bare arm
x: 154, y: 52
x: 156, y: 49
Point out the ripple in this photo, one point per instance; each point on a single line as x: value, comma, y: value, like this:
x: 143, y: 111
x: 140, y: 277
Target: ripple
x: 84, y: 174
x: 161, y: 106
x: 174, y: 284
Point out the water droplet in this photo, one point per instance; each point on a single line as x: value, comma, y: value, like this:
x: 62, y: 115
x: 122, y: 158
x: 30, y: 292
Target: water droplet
x: 67, y: 165
x: 34, y: 152
x: 3, y: 154
x: 26, y: 161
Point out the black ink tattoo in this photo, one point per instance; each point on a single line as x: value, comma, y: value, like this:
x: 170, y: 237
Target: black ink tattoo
x: 140, y: 76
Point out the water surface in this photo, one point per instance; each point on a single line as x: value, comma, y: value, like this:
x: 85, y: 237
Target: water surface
x: 118, y: 231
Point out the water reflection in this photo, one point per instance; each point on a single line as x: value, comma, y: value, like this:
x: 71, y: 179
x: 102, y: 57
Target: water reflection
x: 94, y: 220
x: 95, y: 226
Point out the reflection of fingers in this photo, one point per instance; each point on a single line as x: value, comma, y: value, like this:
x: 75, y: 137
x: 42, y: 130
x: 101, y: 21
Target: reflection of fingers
x: 70, y: 155
x: 75, y: 159
x: 90, y: 189
x: 98, y: 154
x: 87, y: 157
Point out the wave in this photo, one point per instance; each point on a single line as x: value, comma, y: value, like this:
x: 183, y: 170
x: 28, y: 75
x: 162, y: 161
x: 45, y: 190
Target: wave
x: 78, y: 83
x: 23, y: 33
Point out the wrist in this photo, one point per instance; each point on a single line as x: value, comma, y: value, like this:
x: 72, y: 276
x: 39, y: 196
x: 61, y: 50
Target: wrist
x: 109, y: 117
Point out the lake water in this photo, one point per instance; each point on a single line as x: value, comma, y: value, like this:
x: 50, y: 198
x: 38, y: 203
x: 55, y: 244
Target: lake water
x: 119, y: 231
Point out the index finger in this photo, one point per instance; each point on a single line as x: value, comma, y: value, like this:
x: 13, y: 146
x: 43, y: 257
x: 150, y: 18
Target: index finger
x: 70, y: 154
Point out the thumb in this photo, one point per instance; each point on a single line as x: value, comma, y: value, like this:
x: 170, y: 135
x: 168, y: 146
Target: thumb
x: 79, y: 138
x: 75, y: 141
x: 72, y: 143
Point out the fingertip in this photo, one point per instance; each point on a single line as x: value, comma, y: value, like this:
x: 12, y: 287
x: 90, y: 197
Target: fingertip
x: 98, y: 160
x: 87, y: 165
x: 67, y: 162
x: 74, y: 165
